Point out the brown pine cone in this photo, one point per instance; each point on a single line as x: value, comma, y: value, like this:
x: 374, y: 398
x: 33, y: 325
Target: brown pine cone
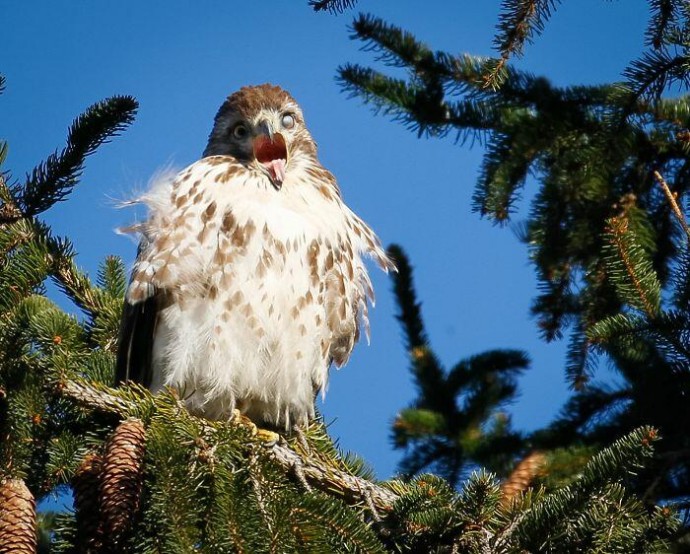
x: 17, y: 518
x: 522, y: 476
x: 122, y: 478
x: 85, y: 484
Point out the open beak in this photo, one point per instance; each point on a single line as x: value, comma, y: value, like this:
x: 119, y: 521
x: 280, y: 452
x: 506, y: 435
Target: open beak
x: 270, y: 151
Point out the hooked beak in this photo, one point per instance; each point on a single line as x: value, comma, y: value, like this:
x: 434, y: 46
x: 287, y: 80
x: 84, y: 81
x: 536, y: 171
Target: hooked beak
x: 270, y: 150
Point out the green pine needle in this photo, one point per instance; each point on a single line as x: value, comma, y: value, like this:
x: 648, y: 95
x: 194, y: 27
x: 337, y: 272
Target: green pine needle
x: 52, y: 180
x: 630, y: 267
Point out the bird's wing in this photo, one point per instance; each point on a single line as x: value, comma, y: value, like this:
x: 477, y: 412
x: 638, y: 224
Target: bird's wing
x: 176, y: 245
x: 137, y: 329
x: 135, y: 342
x: 348, y: 288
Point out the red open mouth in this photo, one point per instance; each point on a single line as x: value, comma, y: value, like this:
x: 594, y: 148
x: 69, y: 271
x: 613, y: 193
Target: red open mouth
x: 272, y: 154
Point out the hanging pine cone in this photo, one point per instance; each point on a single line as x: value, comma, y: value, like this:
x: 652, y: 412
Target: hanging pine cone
x: 87, y: 510
x: 522, y: 476
x: 121, y: 478
x: 17, y: 518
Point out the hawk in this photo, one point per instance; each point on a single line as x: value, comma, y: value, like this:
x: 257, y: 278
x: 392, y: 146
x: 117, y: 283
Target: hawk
x: 249, y: 281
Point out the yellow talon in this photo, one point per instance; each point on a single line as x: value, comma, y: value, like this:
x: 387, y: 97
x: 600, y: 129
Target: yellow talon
x: 269, y: 437
x: 264, y: 435
x: 240, y: 419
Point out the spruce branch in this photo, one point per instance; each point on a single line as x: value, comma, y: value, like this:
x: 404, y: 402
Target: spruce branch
x: 409, y: 308
x: 9, y: 211
x: 333, y: 6
x: 613, y: 464
x: 51, y: 181
x: 653, y: 72
x: 518, y: 22
x: 638, y: 272
x: 350, y: 488
x: 664, y: 14
x: 588, y: 146
x: 399, y: 48
x: 416, y: 106
x: 455, y: 420
x: 59, y: 257
x: 72, y: 280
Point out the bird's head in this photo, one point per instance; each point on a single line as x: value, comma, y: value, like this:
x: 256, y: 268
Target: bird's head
x: 263, y: 127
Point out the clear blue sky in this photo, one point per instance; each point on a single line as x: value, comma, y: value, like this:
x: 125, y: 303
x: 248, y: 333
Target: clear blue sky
x: 180, y: 59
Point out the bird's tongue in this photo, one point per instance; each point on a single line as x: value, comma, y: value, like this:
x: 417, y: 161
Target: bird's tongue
x: 277, y: 169
x: 272, y: 154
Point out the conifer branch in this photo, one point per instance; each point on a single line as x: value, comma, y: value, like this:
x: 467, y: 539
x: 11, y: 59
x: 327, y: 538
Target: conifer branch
x: 664, y: 13
x: 74, y: 281
x: 519, y: 21
x: 618, y: 228
x: 320, y: 475
x: 52, y: 180
x: 59, y: 258
x: 456, y: 419
x: 333, y: 6
x: 654, y: 71
x: 94, y: 396
x: 563, y: 136
x: 8, y: 208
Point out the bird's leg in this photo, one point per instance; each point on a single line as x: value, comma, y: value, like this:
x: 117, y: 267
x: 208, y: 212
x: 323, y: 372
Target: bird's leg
x: 267, y: 436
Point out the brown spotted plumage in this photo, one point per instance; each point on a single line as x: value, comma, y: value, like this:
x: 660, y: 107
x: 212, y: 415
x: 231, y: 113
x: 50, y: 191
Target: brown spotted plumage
x: 249, y: 281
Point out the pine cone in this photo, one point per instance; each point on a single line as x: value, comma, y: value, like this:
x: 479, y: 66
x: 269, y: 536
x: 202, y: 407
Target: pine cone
x: 522, y: 476
x: 122, y: 478
x: 17, y: 518
x: 88, y: 513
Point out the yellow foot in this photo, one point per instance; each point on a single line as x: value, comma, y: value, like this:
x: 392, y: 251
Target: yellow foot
x: 264, y: 435
x: 268, y: 437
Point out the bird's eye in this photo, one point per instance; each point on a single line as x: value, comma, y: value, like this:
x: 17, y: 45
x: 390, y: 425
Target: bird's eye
x: 240, y: 131
x: 288, y: 121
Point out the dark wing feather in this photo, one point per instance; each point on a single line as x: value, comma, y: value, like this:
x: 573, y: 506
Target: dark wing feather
x: 135, y: 344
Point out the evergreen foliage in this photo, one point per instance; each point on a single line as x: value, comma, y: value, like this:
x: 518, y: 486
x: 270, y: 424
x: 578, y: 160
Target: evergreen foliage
x: 610, y: 245
x: 52, y: 180
x: 455, y: 423
x: 664, y: 63
x: 334, y: 6
x: 590, y: 158
x: 189, y: 484
x: 648, y: 343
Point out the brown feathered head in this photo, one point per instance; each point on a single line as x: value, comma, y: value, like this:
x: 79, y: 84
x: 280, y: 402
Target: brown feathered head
x: 261, y: 126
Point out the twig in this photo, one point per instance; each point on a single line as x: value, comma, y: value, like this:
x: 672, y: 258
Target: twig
x: 673, y: 202
x: 9, y: 212
x: 91, y: 397
x: 333, y: 481
x: 74, y: 281
x: 258, y: 492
